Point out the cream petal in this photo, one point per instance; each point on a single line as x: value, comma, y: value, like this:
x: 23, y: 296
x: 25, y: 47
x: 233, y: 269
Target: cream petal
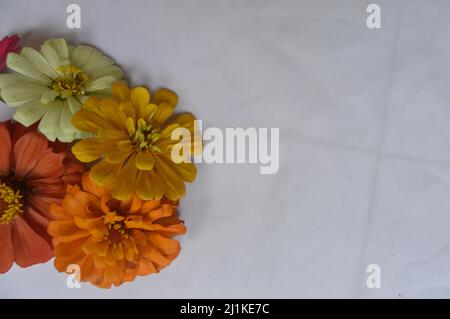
x: 52, y: 57
x: 48, y: 96
x: 74, y: 104
x: 97, y: 61
x: 65, y: 120
x: 39, y: 61
x: 30, y: 112
x: 14, y: 79
x: 112, y: 70
x: 60, y: 47
x: 23, y: 66
x: 50, y: 121
x: 80, y: 55
x: 18, y: 95
x: 100, y: 83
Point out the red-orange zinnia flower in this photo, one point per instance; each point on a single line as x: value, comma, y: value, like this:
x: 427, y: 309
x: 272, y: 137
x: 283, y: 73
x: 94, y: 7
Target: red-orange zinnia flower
x: 113, y: 241
x: 32, y: 175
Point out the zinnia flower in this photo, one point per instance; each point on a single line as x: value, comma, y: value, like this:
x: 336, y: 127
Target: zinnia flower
x: 113, y: 241
x: 53, y: 84
x: 134, y: 143
x: 7, y: 45
x: 32, y: 175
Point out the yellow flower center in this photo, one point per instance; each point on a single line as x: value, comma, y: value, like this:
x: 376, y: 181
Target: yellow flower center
x: 11, y: 203
x: 145, y: 137
x: 72, y: 82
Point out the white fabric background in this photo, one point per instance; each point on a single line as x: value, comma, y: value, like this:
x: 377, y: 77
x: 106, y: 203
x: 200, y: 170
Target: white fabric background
x: 364, y: 118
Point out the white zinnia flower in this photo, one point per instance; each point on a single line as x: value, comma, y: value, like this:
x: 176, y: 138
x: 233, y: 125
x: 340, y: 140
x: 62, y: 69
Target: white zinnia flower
x: 52, y: 85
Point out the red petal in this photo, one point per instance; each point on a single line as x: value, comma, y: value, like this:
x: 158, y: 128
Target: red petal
x: 29, y: 247
x: 5, y: 149
x: 38, y: 223
x: 28, y: 150
x: 50, y: 165
x: 7, y: 249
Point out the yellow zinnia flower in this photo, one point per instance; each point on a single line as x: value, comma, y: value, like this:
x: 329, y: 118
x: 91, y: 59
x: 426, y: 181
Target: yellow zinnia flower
x: 134, y: 143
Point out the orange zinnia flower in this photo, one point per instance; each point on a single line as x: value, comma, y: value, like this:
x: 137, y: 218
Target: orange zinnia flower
x: 113, y: 241
x: 32, y: 175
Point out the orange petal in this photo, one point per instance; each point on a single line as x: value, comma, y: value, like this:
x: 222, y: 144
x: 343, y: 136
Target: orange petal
x: 167, y: 246
x: 91, y: 187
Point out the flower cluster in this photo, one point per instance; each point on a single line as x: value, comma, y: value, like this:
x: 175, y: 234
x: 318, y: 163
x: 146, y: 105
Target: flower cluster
x: 107, y: 201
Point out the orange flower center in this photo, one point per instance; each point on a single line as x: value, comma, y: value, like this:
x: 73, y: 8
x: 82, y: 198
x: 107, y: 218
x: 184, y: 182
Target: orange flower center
x: 117, y: 231
x: 11, y: 203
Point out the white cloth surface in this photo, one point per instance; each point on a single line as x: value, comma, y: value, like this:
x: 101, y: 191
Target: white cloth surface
x: 364, y: 118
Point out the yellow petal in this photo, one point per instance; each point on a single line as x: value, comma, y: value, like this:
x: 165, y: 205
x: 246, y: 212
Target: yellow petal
x: 130, y: 126
x: 175, y: 188
x: 140, y: 98
x: 104, y: 173
x: 186, y: 171
x: 114, y: 136
x: 123, y: 186
x: 116, y: 156
x: 162, y: 113
x: 89, y: 121
x: 149, y: 185
x: 145, y: 161
x: 148, y: 111
x: 120, y: 91
x: 125, y: 146
x: 166, y: 96
x: 90, y: 149
x: 110, y: 109
x: 185, y: 120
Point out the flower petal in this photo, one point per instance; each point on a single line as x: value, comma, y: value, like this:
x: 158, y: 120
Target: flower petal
x: 149, y: 185
x: 5, y: 150
x: 29, y: 247
x: 7, y: 251
x: 145, y: 161
x: 23, y: 66
x: 30, y: 112
x: 121, y: 91
x: 39, y: 61
x: 123, y: 186
x: 175, y: 188
x: 100, y: 83
x: 49, y: 124
x: 18, y: 95
x: 90, y: 149
x: 104, y: 173
x: 28, y: 150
